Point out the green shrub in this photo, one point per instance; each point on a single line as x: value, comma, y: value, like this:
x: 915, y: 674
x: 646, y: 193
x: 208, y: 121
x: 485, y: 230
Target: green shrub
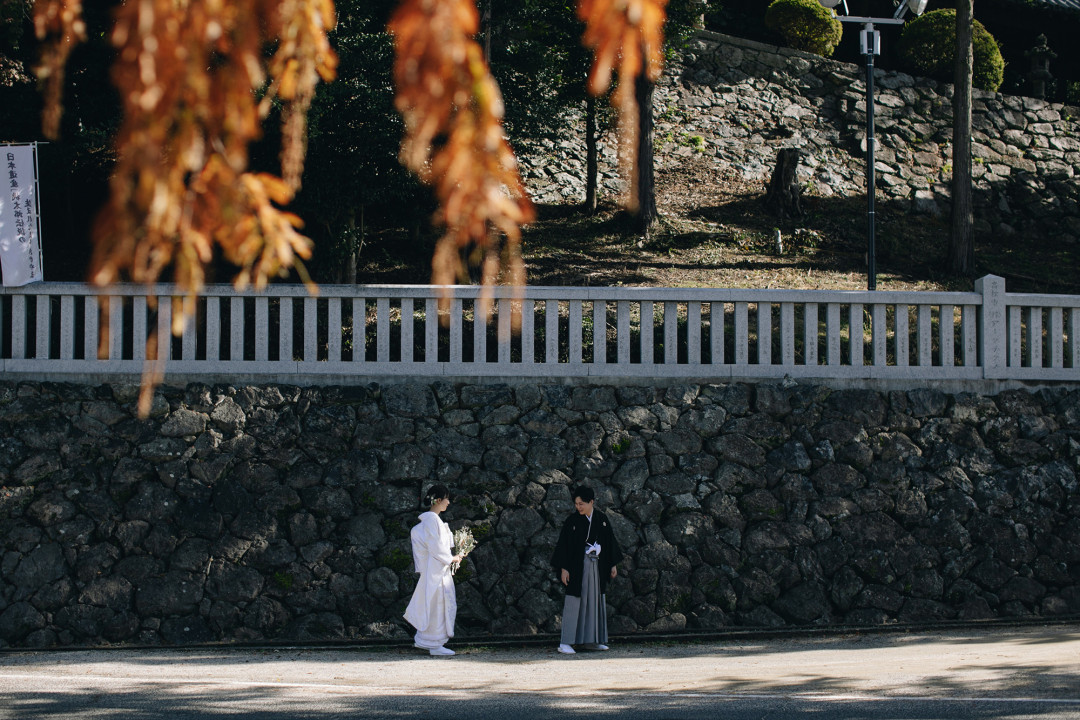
x: 1072, y: 93
x: 805, y: 25
x: 927, y: 47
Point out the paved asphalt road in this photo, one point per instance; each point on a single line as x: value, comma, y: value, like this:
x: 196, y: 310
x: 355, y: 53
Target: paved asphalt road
x: 1027, y: 672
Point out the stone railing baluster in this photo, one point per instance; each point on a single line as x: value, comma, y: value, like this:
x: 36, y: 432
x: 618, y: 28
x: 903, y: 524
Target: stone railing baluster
x: 1000, y: 335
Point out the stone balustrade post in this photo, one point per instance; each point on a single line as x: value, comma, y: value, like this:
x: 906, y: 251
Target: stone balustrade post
x: 993, y: 336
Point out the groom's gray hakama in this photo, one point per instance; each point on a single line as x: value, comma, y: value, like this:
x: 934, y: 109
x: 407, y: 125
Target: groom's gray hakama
x: 584, y: 619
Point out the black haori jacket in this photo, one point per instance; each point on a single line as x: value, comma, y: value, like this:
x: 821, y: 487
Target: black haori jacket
x: 570, y: 550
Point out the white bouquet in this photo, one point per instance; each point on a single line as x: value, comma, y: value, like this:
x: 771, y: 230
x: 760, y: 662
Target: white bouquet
x: 464, y: 542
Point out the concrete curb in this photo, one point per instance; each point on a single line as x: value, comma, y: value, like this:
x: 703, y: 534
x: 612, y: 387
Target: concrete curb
x: 543, y: 640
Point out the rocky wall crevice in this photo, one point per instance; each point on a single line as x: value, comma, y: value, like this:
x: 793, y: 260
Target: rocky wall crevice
x: 280, y: 513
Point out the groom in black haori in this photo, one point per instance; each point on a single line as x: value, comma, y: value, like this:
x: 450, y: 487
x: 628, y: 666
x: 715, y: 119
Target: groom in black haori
x: 585, y: 560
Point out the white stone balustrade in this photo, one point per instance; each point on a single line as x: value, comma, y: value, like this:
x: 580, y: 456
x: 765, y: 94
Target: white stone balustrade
x: 73, y: 332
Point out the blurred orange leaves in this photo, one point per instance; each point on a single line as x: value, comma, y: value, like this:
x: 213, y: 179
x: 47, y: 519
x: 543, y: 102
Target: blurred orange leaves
x: 624, y: 35
x: 453, y: 117
x: 198, y: 77
x: 60, y: 24
x: 454, y: 139
x: 191, y: 72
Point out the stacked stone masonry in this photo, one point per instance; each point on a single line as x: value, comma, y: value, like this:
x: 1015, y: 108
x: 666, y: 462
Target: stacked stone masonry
x: 737, y: 103
x: 282, y: 513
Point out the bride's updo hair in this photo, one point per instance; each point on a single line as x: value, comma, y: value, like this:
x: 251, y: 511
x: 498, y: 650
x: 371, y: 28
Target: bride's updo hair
x: 435, y: 492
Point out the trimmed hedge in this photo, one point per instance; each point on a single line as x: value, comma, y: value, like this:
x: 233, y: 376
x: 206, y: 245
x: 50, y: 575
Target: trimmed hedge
x: 805, y: 25
x: 927, y: 47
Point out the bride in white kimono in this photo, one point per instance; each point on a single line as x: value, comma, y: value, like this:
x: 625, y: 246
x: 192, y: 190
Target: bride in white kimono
x: 433, y: 607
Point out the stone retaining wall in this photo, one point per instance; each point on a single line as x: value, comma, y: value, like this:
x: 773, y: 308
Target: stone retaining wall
x: 281, y: 513
x: 739, y: 101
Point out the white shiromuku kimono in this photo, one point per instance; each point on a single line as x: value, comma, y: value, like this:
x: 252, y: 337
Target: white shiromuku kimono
x: 433, y: 607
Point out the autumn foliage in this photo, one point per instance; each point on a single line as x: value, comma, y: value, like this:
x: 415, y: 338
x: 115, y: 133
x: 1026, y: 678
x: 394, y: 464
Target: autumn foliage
x: 189, y: 74
x: 198, y: 77
x: 60, y: 24
x: 453, y: 135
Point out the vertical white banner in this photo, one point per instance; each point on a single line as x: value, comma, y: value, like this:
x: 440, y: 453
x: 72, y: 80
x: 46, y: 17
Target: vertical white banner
x: 20, y: 237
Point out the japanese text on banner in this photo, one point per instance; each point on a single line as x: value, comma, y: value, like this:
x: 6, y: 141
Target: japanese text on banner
x: 20, y: 244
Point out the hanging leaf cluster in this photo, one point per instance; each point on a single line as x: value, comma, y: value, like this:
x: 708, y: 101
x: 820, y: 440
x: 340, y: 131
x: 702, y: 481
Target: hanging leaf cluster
x: 454, y: 138
x: 60, y: 24
x: 196, y: 81
x: 198, y: 77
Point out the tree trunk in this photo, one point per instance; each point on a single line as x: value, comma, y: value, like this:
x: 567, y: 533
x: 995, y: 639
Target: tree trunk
x: 646, y: 214
x: 783, y: 196
x: 961, y: 241
x: 485, y: 27
x: 354, y: 246
x: 592, y: 165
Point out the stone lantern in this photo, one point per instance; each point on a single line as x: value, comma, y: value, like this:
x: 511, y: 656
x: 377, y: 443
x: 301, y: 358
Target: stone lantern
x: 698, y: 8
x: 1039, y: 75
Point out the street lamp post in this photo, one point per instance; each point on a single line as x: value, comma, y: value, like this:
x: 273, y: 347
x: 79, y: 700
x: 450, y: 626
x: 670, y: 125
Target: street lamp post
x: 870, y: 45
